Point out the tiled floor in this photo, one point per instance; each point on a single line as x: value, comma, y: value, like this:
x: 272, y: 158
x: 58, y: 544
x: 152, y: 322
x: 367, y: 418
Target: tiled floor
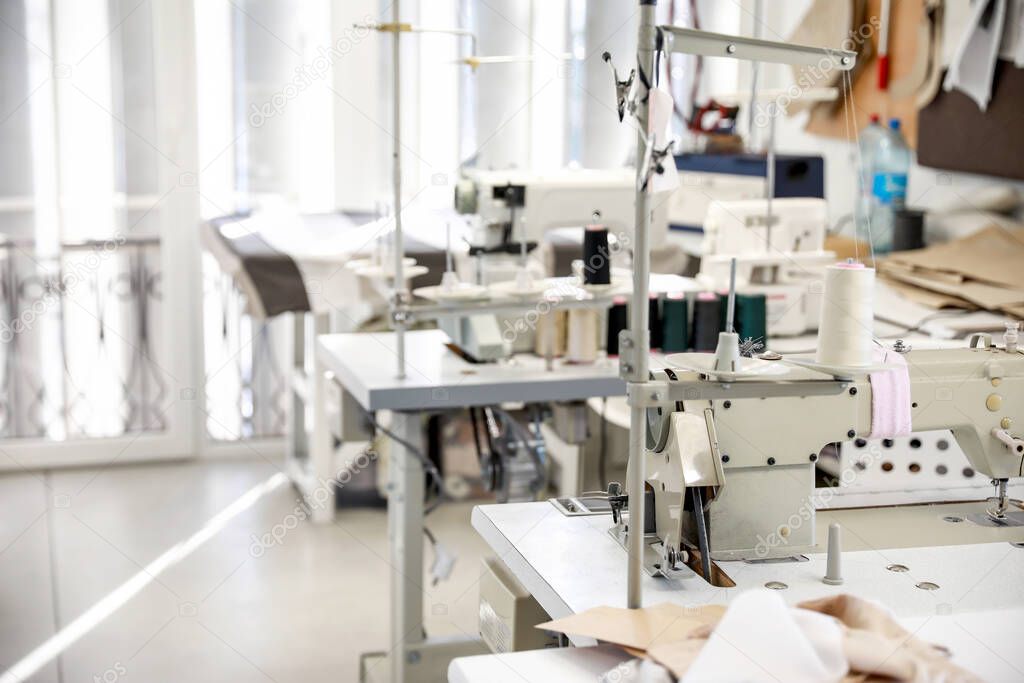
x: 302, y: 610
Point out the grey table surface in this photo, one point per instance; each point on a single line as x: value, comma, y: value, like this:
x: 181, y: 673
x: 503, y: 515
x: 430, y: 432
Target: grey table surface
x: 436, y: 378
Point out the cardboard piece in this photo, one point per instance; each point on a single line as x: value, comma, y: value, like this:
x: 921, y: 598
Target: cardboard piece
x: 926, y: 297
x: 847, y: 247
x: 982, y: 294
x: 637, y: 629
x: 992, y: 255
x: 909, y: 43
x: 978, y: 271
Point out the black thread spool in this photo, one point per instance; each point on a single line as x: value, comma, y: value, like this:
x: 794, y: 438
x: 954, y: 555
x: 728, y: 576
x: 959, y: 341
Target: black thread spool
x: 654, y: 324
x: 707, y: 321
x: 597, y: 259
x: 618, y: 320
x: 907, y: 230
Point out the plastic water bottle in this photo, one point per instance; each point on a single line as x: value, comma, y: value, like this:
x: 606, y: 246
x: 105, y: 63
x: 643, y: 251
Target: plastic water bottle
x: 869, y: 137
x: 889, y: 184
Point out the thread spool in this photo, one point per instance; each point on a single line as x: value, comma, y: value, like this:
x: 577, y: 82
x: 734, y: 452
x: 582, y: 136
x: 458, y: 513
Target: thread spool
x: 581, y: 343
x: 847, y: 316
x: 707, y: 321
x: 675, y: 323
x: 907, y: 230
x: 654, y: 325
x: 752, y: 317
x: 618, y: 319
x: 551, y: 334
x: 597, y: 265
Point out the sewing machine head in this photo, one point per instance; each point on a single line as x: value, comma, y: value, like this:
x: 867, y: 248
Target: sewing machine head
x: 745, y: 450
x: 784, y: 261
x: 508, y: 202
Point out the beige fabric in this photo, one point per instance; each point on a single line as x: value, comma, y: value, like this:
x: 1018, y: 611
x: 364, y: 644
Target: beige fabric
x: 877, y: 648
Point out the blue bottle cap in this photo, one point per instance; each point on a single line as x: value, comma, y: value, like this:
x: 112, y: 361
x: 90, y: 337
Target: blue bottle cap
x: 894, y: 124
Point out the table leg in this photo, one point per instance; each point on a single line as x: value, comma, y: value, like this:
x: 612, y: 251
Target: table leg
x: 405, y: 534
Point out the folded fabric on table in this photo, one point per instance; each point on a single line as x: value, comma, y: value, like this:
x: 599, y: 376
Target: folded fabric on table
x: 838, y: 638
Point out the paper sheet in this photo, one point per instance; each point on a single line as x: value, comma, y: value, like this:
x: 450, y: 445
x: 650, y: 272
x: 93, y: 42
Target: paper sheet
x: 992, y: 255
x: 974, y: 64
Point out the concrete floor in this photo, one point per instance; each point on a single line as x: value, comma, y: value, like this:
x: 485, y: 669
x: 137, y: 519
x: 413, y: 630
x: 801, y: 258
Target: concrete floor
x: 302, y: 610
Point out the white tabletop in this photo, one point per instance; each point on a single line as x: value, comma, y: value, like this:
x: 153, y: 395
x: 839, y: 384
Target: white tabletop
x: 537, y: 666
x: 571, y: 564
x: 365, y: 363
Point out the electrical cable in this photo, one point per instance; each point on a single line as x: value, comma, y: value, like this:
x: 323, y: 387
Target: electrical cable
x: 428, y: 466
x: 497, y: 464
x: 475, y: 427
x: 541, y: 447
x: 921, y: 323
x: 521, y: 434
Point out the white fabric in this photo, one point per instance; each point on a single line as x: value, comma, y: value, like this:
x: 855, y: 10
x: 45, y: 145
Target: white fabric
x: 637, y: 671
x: 661, y: 106
x: 760, y: 638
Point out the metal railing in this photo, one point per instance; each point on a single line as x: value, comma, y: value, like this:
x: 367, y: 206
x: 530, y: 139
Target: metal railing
x: 77, y: 330
x: 82, y: 343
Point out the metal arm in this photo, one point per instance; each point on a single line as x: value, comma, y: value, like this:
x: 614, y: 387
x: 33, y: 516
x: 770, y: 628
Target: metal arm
x: 690, y: 41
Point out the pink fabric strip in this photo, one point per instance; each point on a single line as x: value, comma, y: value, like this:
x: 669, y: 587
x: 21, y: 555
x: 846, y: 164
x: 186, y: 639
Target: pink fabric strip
x: 890, y: 397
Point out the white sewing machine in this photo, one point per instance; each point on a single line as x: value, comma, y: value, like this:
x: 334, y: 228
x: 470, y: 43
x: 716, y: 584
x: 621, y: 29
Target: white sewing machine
x: 732, y: 478
x: 509, y: 207
x: 783, y: 262
x: 513, y: 205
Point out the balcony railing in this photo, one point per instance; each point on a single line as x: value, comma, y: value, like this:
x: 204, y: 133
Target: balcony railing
x: 82, y: 338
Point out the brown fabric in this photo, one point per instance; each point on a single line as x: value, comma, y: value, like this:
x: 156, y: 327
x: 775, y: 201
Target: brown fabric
x: 270, y: 276
x: 954, y: 134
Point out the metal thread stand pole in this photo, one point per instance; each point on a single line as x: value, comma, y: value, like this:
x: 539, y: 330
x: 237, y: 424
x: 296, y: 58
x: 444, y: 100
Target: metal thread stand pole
x: 638, y: 315
x: 399, y: 246
x: 769, y: 161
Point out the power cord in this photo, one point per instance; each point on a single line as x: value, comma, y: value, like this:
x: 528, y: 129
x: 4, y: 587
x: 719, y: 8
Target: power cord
x: 428, y: 465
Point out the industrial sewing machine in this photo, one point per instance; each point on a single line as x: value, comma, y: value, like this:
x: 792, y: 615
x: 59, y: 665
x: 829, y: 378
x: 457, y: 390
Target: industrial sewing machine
x: 732, y: 478
x: 510, y: 213
x: 514, y: 206
x: 779, y: 251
